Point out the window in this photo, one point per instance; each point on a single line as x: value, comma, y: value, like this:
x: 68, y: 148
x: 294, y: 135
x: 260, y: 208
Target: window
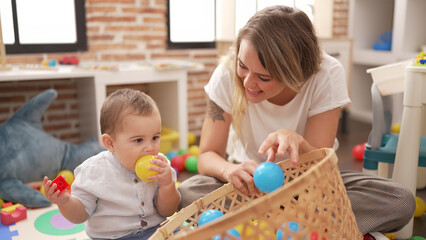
x: 199, y: 23
x: 41, y: 26
x: 191, y: 24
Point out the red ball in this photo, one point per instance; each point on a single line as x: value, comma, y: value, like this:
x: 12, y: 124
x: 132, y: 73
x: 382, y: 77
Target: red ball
x: 358, y: 151
x: 178, y: 162
x: 186, y: 155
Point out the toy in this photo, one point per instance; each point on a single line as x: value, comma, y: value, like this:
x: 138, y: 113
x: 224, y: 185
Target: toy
x: 182, y: 151
x: 420, y: 207
x: 7, y: 218
x: 358, y: 151
x: 141, y: 167
x: 417, y: 238
x: 69, y: 60
x: 193, y: 150
x: 293, y: 226
x: 191, y: 138
x: 191, y: 164
x: 231, y: 231
x: 396, y: 127
x: 24, y: 144
x: 178, y: 162
x: 268, y: 177
x: 391, y: 235
x: 420, y: 60
x: 171, y: 155
x: 68, y: 175
x: 10, y: 207
x: 249, y: 231
x: 314, y: 236
x: 384, y: 43
x: 209, y: 215
x: 61, y: 184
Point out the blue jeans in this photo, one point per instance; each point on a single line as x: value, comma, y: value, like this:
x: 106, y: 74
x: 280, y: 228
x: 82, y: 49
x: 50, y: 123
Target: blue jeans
x: 141, y: 235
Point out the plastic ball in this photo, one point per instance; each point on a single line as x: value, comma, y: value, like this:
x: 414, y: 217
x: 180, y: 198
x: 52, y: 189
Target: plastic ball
x: 193, y: 150
x: 178, y: 162
x: 182, y: 151
x: 293, y: 226
x: 171, y: 154
x: 42, y: 190
x: 208, y: 216
x: 141, y: 167
x: 186, y: 155
x: 396, y: 127
x: 417, y: 238
x: 268, y: 177
x: 231, y: 231
x: 420, y: 207
x: 191, y: 138
x: 358, y: 151
x: 68, y: 175
x: 191, y: 164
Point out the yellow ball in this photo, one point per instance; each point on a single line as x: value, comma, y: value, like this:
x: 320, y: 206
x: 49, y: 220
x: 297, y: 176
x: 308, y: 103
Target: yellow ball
x: 141, y: 167
x: 420, y: 207
x: 250, y: 230
x: 42, y: 189
x: 193, y: 150
x: 68, y: 175
x: 191, y: 138
x: 396, y: 127
x: 177, y: 184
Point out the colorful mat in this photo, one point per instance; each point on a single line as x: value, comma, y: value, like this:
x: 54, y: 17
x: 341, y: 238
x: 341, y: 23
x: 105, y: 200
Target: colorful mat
x: 43, y: 223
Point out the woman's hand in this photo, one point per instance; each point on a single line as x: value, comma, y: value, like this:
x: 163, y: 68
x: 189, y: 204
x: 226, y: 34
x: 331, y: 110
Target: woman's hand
x: 241, y: 176
x: 280, y: 142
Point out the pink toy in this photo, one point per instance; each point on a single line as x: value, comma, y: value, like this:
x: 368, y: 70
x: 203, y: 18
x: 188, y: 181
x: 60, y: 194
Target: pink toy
x: 7, y: 218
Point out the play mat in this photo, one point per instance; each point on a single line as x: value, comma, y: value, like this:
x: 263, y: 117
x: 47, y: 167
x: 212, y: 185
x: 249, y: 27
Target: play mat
x: 43, y: 223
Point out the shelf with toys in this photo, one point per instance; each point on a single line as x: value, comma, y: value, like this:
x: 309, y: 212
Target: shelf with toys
x: 383, y: 32
x: 167, y: 84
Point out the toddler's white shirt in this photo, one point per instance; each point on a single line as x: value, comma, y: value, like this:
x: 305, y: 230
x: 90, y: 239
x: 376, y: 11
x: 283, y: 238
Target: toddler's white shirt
x: 115, y: 199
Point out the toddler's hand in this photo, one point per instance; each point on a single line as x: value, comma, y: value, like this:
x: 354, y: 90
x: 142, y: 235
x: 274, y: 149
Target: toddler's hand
x: 52, y: 193
x: 164, y: 176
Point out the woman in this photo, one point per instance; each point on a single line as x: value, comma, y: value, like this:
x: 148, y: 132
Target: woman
x: 286, y: 94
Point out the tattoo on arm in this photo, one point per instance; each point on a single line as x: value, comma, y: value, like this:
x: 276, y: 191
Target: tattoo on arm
x: 214, y: 111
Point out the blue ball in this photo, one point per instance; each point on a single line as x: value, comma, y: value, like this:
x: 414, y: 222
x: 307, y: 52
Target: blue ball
x: 268, y: 177
x: 231, y: 231
x: 208, y: 216
x: 293, y: 226
x: 171, y: 154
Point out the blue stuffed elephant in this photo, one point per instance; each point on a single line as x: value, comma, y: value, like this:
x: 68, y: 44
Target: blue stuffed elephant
x: 28, y: 153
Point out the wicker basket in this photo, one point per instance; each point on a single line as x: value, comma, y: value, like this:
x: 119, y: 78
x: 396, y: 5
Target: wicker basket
x: 313, y: 196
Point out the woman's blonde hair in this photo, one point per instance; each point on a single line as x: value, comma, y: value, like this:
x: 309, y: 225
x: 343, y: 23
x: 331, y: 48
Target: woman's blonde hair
x: 287, y: 47
x: 124, y: 101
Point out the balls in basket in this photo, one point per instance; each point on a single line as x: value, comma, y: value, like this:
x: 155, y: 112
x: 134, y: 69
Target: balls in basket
x: 268, y: 177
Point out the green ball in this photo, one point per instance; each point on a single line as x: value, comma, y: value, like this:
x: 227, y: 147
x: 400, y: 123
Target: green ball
x: 182, y: 151
x: 191, y: 164
x: 417, y: 238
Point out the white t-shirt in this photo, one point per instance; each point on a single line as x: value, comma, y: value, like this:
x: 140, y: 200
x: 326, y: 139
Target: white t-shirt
x: 324, y: 91
x: 115, y: 199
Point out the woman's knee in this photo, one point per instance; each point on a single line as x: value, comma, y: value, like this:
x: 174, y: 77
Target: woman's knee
x: 196, y: 187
